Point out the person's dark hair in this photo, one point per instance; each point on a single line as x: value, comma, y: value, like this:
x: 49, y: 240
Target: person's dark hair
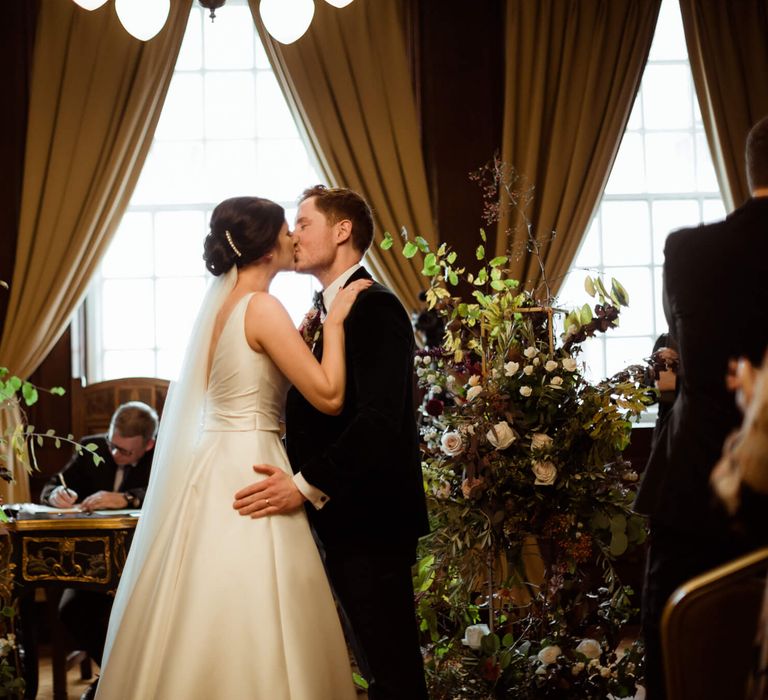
x: 339, y: 203
x: 243, y: 229
x: 135, y: 418
x: 757, y: 155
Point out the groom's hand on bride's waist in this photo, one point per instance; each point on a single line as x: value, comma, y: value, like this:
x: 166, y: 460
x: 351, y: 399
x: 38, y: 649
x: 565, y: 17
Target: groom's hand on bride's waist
x: 271, y: 496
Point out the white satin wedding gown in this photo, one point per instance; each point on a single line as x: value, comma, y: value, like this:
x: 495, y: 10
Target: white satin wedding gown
x: 220, y: 605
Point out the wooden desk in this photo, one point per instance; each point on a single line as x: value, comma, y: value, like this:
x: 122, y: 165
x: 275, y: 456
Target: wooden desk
x: 57, y: 552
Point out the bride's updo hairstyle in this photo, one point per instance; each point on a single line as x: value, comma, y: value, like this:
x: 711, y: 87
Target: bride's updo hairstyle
x: 243, y: 229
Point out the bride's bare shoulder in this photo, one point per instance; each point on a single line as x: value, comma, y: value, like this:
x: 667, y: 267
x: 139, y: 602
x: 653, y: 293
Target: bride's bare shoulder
x: 264, y: 305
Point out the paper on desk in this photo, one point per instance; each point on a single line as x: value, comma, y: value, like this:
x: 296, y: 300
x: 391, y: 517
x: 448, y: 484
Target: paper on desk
x: 118, y: 511
x: 34, y: 508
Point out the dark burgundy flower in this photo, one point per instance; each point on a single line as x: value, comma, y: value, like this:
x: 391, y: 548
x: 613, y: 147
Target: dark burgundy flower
x: 434, y: 407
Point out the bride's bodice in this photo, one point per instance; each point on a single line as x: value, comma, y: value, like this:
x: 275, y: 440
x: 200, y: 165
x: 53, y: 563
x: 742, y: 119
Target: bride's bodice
x: 246, y: 390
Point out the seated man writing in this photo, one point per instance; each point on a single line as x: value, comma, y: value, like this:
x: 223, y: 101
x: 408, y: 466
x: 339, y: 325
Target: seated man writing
x: 118, y: 482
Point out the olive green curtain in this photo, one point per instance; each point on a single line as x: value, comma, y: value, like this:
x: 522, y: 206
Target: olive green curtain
x: 95, y: 98
x: 348, y: 83
x: 728, y: 49
x: 573, y: 68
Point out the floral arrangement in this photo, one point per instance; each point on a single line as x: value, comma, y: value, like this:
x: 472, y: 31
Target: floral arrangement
x: 517, y: 589
x: 11, y: 680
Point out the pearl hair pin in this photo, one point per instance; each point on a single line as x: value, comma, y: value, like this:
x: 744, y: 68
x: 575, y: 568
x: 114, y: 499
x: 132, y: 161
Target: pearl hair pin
x: 232, y: 245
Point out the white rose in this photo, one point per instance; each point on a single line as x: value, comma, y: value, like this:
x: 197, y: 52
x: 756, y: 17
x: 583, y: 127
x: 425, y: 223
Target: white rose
x: 437, y: 389
x: 419, y: 371
x: 590, y: 648
x: 556, y: 381
x: 550, y: 366
x: 510, y: 368
x: 474, y: 634
x: 451, y: 379
x: 526, y: 391
x: 569, y: 364
x: 416, y: 360
x: 536, y: 361
x: 548, y: 655
x: 451, y: 444
x: 530, y: 352
x: 427, y: 360
x: 540, y: 441
x: 474, y: 392
x: 501, y: 435
x: 474, y: 380
x: 431, y: 377
x: 528, y: 369
x: 545, y: 473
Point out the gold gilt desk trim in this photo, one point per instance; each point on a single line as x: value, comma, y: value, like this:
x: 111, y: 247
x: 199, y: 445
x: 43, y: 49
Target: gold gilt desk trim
x: 89, y: 551
x: 118, y: 523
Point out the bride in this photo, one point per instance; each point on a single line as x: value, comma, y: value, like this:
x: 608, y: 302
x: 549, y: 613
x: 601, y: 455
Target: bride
x: 210, y: 604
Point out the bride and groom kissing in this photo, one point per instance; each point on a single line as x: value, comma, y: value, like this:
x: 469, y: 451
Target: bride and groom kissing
x: 231, y: 599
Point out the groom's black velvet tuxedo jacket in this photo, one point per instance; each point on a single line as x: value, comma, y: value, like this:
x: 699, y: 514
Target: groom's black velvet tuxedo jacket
x: 716, y: 302
x: 367, y: 458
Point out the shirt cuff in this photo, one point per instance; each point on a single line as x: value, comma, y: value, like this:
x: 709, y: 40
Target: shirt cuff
x: 314, y: 495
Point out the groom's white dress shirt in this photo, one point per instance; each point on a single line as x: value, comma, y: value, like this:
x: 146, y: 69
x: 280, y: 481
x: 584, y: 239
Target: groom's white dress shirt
x: 314, y: 495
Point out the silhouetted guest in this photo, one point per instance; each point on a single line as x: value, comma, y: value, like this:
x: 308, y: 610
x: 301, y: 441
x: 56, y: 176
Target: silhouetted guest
x: 712, y: 324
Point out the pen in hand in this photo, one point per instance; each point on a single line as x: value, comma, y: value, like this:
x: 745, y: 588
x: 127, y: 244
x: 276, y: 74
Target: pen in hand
x: 67, y: 491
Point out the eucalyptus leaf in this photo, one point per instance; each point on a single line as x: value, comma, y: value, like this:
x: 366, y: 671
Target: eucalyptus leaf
x: 480, y: 252
x: 619, y: 293
x: 410, y: 249
x: 619, y: 543
x: 29, y: 392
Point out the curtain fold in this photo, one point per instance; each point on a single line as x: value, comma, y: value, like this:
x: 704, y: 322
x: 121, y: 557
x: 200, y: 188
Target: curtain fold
x: 348, y: 83
x: 95, y: 98
x: 728, y: 49
x: 573, y: 69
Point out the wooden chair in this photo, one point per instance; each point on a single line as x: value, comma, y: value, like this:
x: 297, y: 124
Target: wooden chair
x: 94, y: 404
x: 708, y: 630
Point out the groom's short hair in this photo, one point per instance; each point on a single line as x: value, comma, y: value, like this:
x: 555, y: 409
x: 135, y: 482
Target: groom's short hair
x: 757, y: 155
x: 339, y: 203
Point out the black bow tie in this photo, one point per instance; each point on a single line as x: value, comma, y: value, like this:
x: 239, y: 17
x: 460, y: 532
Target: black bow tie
x: 318, y: 303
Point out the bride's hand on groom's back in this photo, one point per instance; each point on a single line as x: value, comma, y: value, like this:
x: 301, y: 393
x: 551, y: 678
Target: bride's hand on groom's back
x: 274, y: 495
x: 343, y: 301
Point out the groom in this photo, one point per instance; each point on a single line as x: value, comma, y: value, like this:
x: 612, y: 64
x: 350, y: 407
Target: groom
x: 360, y: 471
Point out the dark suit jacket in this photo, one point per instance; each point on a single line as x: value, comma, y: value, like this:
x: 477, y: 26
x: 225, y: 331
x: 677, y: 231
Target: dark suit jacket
x: 367, y: 458
x: 716, y: 302
x: 84, y: 477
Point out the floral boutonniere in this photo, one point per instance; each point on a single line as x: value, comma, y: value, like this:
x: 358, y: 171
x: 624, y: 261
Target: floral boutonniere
x: 310, y: 327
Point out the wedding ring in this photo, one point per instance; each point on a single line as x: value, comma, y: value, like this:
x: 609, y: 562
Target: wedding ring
x: 266, y: 500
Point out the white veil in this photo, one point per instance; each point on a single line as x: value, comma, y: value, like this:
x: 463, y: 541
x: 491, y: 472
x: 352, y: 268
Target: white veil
x: 180, y: 429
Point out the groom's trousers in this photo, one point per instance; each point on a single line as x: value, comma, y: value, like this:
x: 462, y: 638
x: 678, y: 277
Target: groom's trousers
x: 376, y: 593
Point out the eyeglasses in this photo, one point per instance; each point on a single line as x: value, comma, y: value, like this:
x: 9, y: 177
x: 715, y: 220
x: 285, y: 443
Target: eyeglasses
x: 112, y: 447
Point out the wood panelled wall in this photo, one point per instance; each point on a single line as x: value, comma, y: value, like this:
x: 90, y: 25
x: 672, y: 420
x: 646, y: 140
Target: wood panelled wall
x: 457, y: 52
